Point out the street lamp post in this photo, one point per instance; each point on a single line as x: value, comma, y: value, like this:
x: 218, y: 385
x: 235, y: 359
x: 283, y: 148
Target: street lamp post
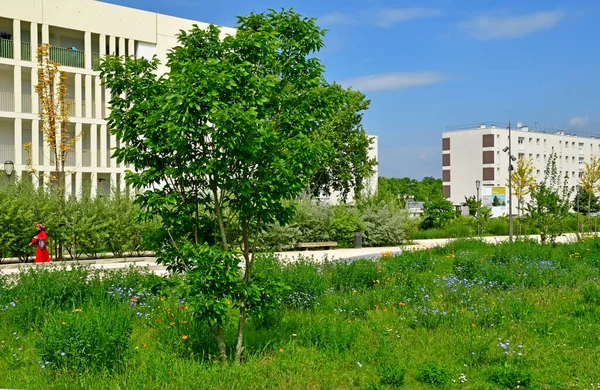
x: 478, y: 185
x: 511, y: 158
x: 9, y: 168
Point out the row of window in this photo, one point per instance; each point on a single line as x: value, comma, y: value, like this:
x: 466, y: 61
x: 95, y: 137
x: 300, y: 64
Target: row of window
x: 521, y: 141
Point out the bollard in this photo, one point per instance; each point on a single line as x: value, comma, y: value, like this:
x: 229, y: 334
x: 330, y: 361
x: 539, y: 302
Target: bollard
x: 357, y: 240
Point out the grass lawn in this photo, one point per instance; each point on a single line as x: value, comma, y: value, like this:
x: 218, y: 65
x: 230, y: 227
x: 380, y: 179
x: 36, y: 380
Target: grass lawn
x: 469, y: 315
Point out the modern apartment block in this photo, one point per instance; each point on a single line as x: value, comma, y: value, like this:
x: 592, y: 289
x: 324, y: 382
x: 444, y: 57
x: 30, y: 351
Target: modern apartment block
x: 80, y: 32
x: 472, y: 153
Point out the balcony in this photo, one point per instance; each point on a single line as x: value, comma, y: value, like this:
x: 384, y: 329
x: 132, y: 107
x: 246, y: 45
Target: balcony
x: 7, y: 101
x: 95, y: 61
x: 68, y: 57
x: 86, y: 156
x: 7, y: 152
x: 26, y: 51
x: 7, y: 49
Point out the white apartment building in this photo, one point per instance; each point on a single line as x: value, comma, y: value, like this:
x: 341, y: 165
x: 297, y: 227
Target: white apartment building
x: 80, y: 32
x: 472, y: 153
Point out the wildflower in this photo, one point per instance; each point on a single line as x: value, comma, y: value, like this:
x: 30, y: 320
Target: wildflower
x: 473, y: 325
x: 64, y: 323
x: 172, y: 324
x: 162, y: 300
x: 13, y: 304
x: 280, y: 350
x: 229, y: 302
x: 77, y: 310
x: 402, y: 304
x: 294, y: 335
x: 184, y: 337
x: 158, y: 321
x: 184, y: 322
x: 62, y: 354
x: 145, y: 346
x: 358, y: 364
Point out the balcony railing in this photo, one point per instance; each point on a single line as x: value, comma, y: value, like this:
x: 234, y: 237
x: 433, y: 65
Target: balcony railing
x: 68, y: 57
x: 26, y: 51
x: 7, y: 152
x: 95, y: 60
x: 26, y: 103
x: 6, y: 48
x: 7, y: 101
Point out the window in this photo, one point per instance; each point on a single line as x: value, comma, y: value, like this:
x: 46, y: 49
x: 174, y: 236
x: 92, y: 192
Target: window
x: 521, y: 155
x: 580, y: 147
x: 521, y: 140
x: 544, y: 158
x: 530, y: 155
x: 566, y: 144
x: 566, y: 158
x: 537, y: 172
x: 537, y: 157
x: 530, y: 141
x: 553, y: 149
x: 573, y: 159
x: 537, y: 141
x: 572, y: 173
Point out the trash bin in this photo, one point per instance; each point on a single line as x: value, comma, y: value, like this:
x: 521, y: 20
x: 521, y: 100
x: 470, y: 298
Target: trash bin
x: 358, y: 240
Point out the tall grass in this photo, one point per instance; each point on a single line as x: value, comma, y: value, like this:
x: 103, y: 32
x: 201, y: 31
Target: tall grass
x: 469, y: 314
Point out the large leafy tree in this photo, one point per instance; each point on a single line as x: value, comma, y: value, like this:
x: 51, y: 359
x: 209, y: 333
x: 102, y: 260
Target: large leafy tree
x: 347, y: 165
x: 549, y: 204
x: 220, y: 145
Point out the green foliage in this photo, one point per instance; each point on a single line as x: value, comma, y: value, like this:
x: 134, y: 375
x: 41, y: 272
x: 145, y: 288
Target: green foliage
x: 393, y: 189
x: 549, y: 203
x: 392, y: 375
x: 90, y: 338
x: 357, y: 274
x: 437, y: 375
x: 438, y: 212
x: 511, y: 376
x: 232, y: 135
x: 582, y: 199
x: 86, y: 226
x: 386, y: 224
x: 347, y: 165
x: 345, y: 222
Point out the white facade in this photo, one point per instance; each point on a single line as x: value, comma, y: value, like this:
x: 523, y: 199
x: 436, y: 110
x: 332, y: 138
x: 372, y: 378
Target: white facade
x: 476, y: 153
x: 80, y: 32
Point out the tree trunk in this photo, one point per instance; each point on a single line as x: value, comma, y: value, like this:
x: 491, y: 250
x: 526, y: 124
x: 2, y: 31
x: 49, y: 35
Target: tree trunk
x: 239, y: 349
x: 589, y: 211
x: 221, y: 343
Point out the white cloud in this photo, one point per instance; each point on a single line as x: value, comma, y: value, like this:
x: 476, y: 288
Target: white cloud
x: 579, y: 121
x: 486, y: 27
x: 384, y: 17
x: 392, y: 81
x: 337, y: 18
x: 387, y: 17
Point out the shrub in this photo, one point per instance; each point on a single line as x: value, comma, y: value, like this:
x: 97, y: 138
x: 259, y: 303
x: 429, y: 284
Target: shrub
x: 345, y: 222
x: 510, y: 376
x: 90, y: 338
x: 433, y: 375
x: 387, y: 224
x: 392, y: 375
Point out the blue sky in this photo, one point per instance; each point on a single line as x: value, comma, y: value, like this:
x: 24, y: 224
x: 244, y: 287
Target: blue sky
x: 429, y: 64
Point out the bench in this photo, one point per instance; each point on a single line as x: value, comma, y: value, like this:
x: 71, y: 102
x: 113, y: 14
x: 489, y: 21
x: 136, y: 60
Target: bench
x: 306, y: 245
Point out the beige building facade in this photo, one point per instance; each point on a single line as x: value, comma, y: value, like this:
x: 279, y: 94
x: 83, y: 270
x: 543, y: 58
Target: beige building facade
x: 472, y: 153
x: 80, y: 32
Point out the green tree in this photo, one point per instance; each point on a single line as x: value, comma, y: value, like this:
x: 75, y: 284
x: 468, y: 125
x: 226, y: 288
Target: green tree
x: 437, y: 213
x: 585, y: 202
x: 347, y: 164
x: 549, y: 203
x: 589, y: 181
x: 393, y: 189
x: 523, y: 182
x: 473, y: 204
x: 224, y: 140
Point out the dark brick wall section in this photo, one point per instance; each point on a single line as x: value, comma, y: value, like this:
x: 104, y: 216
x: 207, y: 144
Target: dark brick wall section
x: 447, y: 191
x: 446, y: 175
x: 488, y: 173
x: 445, y: 143
x: 488, y: 157
x: 445, y: 160
x: 488, y: 140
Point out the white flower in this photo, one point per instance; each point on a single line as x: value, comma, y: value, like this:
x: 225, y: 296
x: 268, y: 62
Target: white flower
x: 358, y: 364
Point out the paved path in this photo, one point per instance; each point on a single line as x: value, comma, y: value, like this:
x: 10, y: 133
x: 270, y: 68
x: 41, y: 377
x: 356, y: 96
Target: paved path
x: 319, y: 255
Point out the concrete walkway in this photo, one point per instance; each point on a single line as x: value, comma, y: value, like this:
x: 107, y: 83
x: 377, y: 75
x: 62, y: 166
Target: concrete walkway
x: 318, y: 255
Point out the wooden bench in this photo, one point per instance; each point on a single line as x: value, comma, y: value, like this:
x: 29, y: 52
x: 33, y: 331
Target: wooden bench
x: 306, y: 245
